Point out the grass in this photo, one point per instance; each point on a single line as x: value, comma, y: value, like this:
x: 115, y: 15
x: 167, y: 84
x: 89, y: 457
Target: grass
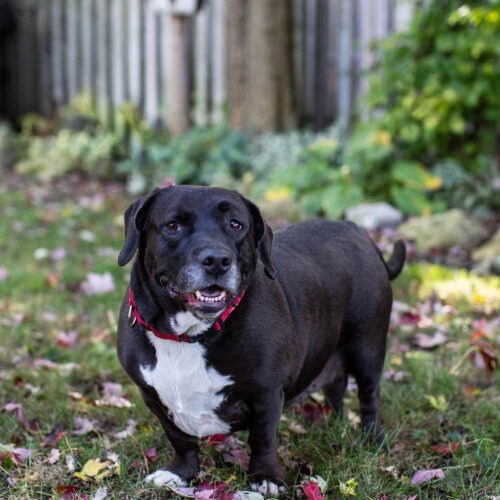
x: 51, y: 237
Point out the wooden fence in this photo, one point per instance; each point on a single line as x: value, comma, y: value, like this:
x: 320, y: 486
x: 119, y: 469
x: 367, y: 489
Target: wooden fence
x: 122, y: 51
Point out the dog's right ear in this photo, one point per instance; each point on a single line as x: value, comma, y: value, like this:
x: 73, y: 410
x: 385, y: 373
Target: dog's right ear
x: 135, y: 217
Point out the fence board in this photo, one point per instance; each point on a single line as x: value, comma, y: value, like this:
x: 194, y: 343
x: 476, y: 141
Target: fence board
x: 119, y: 51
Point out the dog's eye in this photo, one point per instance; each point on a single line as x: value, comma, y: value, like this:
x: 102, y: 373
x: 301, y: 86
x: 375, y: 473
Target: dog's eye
x: 236, y: 225
x: 172, y: 226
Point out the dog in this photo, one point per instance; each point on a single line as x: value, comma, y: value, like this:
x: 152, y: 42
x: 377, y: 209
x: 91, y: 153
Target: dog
x: 221, y: 326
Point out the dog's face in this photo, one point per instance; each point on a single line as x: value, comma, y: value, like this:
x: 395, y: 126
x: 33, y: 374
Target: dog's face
x: 199, y: 245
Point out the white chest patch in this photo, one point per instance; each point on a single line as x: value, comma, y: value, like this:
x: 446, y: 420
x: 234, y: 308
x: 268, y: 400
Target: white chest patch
x: 187, y: 387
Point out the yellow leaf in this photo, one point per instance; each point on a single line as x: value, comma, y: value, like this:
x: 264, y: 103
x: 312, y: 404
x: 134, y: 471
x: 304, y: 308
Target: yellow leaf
x: 93, y: 469
x: 348, y: 488
x: 279, y: 194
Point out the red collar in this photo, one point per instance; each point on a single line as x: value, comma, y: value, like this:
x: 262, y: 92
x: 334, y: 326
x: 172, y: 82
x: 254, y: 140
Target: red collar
x: 135, y: 318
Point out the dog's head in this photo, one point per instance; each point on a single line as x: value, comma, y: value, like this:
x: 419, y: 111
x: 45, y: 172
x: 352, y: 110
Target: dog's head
x: 199, y: 245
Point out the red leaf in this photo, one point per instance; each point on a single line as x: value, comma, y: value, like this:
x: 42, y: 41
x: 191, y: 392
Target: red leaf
x: 215, y: 439
x: 238, y: 457
x: 67, y: 340
x: 445, y: 448
x: 151, y: 455
x: 53, y: 438
x: 409, y: 318
x: 314, y: 411
x: 216, y: 491
x: 64, y: 489
x: 312, y: 491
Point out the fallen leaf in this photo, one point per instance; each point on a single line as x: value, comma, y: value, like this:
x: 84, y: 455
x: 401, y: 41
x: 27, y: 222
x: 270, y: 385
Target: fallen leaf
x: 216, y: 439
x: 83, y: 426
x: 100, y: 493
x: 239, y: 457
x: 445, y: 448
x: 437, y: 402
x: 485, y: 357
x: 395, y: 375
x: 312, y: 491
x: 182, y: 491
x: 425, y: 341
x: 53, y: 438
x: 151, y: 455
x: 313, y: 411
x: 98, y: 284
x: 425, y: 475
x: 94, y: 469
x: 54, y: 456
x: 297, y: 428
x: 64, y: 489
x: 129, y: 430
x: 116, y: 401
x: 70, y: 463
x: 348, y: 488
x: 17, y: 455
x: 3, y: 273
x: 67, y: 340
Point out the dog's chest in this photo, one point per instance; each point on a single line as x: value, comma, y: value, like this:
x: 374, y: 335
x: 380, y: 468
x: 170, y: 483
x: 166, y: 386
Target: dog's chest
x: 187, y: 387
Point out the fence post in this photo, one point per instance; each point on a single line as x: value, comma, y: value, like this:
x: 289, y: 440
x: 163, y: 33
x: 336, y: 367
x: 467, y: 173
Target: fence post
x: 179, y: 82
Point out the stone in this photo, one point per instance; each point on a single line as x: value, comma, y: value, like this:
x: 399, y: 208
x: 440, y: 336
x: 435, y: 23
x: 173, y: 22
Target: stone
x: 443, y: 231
x: 487, y: 257
x: 374, y: 215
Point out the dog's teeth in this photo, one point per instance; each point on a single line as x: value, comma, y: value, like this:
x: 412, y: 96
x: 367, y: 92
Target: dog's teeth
x: 203, y: 298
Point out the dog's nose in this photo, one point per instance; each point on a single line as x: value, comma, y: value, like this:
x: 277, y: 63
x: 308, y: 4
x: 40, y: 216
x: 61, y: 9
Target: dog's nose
x: 215, y: 262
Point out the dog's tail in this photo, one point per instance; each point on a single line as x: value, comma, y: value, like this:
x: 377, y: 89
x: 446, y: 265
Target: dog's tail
x: 395, y: 263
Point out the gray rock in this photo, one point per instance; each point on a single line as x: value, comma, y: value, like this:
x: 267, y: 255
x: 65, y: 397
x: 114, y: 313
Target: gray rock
x: 444, y: 231
x: 487, y: 257
x: 374, y: 215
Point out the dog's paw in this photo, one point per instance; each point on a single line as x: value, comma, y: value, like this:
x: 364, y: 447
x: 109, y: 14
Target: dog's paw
x: 267, y: 488
x: 165, y: 477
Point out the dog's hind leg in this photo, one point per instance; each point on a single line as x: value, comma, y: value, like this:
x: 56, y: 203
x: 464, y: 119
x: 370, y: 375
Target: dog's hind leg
x: 335, y: 390
x: 366, y: 362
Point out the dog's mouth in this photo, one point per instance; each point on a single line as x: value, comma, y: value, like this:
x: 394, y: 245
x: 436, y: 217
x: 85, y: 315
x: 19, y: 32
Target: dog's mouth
x: 209, y: 300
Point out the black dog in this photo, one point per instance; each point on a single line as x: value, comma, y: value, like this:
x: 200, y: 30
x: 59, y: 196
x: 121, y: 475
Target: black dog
x: 218, y: 331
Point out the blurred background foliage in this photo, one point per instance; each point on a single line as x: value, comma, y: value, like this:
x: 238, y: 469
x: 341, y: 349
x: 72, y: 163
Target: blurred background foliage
x: 428, y: 139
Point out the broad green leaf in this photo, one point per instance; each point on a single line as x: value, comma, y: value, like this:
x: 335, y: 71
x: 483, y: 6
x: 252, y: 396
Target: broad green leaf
x: 412, y: 175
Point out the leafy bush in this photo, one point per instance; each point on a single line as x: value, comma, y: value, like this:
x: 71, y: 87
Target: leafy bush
x: 67, y: 151
x: 435, y: 93
x: 321, y: 188
x: 206, y: 155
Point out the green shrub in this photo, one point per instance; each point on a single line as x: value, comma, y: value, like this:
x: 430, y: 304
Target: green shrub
x: 205, y: 155
x: 68, y: 151
x: 435, y: 93
x: 321, y: 188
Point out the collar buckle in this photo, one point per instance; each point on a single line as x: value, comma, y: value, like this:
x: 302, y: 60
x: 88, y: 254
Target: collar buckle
x: 132, y: 319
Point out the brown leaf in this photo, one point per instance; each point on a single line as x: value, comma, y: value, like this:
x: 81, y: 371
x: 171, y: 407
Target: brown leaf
x: 445, y: 448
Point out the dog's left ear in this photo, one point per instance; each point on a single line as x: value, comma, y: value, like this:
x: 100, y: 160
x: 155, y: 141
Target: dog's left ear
x: 263, y: 235
x: 135, y: 216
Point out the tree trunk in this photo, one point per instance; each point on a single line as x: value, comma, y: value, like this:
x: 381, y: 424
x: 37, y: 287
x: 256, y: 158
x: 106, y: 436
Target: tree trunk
x: 260, y: 73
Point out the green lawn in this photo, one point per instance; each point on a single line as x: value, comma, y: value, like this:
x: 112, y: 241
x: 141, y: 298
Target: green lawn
x: 60, y: 380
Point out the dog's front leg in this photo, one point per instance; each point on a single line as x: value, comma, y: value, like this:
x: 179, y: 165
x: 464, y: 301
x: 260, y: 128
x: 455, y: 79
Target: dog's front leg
x: 184, y: 465
x: 265, y: 470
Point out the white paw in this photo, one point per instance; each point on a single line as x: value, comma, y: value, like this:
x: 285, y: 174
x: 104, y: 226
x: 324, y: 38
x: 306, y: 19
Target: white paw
x: 163, y: 477
x: 267, y: 488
